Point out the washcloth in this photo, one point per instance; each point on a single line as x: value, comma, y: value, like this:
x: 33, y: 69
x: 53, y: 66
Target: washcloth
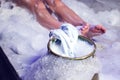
x: 68, y: 36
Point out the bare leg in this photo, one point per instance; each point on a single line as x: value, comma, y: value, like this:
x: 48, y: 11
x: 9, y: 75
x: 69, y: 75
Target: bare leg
x: 45, y: 18
x: 42, y: 15
x: 66, y: 13
x: 58, y: 7
x: 50, y: 22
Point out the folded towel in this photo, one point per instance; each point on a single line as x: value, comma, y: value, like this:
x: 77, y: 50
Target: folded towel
x: 68, y: 36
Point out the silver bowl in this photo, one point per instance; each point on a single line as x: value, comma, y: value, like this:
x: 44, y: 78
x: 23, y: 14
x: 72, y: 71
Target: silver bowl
x: 91, y: 54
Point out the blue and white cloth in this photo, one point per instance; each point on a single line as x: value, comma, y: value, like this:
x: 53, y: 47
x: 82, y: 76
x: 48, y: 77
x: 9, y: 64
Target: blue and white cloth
x: 68, y: 36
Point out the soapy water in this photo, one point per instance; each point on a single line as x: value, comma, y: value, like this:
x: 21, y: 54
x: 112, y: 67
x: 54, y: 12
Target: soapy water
x: 15, y: 22
x: 81, y: 48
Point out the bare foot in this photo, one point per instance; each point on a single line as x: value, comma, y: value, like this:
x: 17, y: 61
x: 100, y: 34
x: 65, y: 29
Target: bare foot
x: 96, y: 31
x: 91, y: 31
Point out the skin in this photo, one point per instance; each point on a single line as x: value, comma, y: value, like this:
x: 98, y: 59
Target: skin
x: 67, y: 15
x: 59, y: 8
x: 45, y: 18
x: 61, y: 11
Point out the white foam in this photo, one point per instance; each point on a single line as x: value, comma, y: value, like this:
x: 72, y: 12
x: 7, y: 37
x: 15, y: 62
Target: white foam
x: 102, y: 17
x: 21, y: 36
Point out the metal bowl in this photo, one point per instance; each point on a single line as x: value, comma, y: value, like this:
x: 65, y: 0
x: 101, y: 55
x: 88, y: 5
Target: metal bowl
x: 91, y: 54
